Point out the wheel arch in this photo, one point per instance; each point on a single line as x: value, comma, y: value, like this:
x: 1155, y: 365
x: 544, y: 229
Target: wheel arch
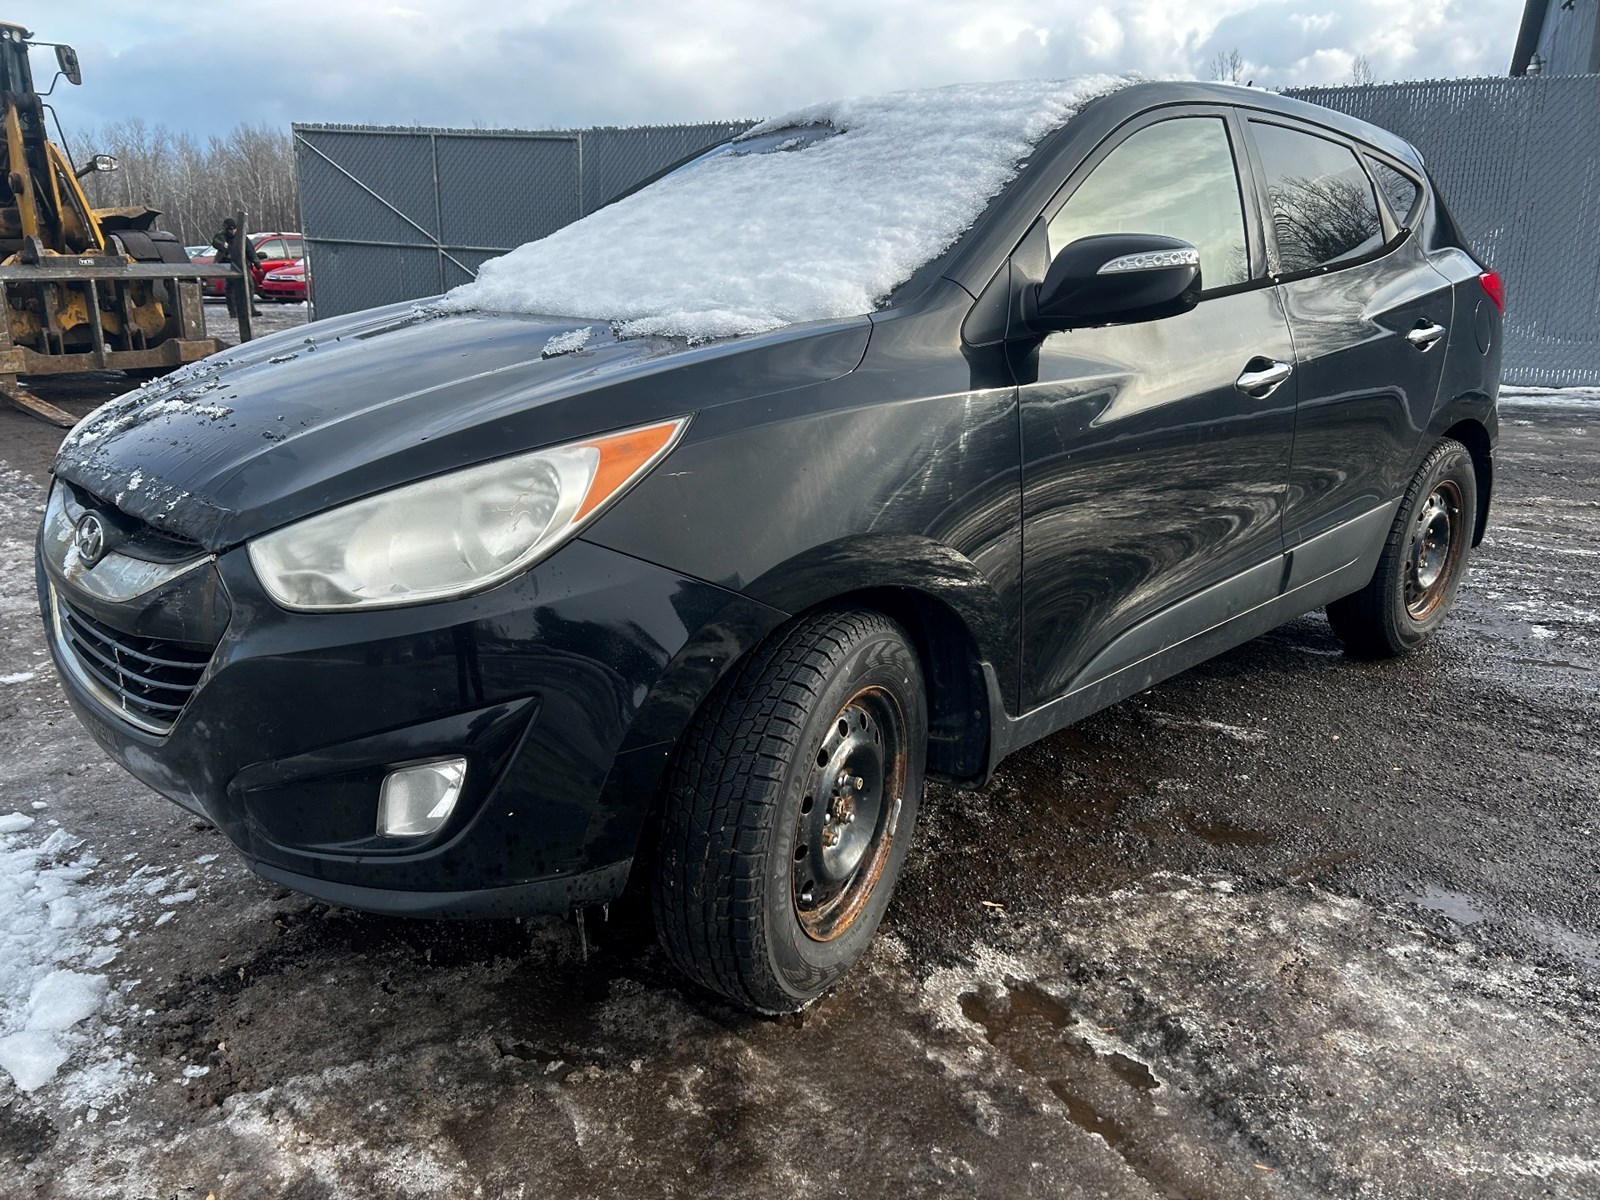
x: 1472, y: 419
x: 952, y: 611
x: 943, y: 601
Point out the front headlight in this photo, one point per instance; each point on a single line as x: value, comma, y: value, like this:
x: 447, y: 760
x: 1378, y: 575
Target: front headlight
x: 456, y: 533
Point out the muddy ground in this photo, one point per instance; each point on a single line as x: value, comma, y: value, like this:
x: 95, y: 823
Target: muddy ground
x: 1288, y: 925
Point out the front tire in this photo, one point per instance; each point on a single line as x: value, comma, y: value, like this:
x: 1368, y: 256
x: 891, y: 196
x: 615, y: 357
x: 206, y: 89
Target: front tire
x: 788, y: 811
x: 1423, y: 561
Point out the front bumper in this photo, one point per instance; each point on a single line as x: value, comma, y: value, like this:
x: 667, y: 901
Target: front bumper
x: 564, y: 690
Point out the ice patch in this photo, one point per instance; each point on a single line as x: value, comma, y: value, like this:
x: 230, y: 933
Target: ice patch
x: 63, y: 998
x: 1237, y: 732
x: 771, y: 230
x: 32, y: 1058
x: 49, y: 922
x: 15, y: 822
x: 568, y: 343
x: 18, y: 677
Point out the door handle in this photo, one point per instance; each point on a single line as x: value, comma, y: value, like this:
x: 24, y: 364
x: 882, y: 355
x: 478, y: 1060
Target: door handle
x: 1262, y: 376
x: 1425, y: 335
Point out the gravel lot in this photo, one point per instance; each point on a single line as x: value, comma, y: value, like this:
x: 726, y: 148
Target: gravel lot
x: 1286, y: 925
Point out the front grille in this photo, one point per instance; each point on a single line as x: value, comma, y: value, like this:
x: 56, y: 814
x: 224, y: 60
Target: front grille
x: 146, y: 680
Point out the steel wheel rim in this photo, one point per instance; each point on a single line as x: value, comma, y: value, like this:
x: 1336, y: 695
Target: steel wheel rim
x: 849, y: 813
x: 1437, y: 538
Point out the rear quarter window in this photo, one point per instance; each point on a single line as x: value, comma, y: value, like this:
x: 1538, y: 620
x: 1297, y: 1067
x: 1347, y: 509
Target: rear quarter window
x: 1399, y: 189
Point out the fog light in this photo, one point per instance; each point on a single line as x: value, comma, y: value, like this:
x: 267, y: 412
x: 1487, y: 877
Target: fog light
x: 416, y: 801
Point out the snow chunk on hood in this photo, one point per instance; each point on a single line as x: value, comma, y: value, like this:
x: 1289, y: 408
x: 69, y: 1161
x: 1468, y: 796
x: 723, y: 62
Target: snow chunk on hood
x: 822, y: 224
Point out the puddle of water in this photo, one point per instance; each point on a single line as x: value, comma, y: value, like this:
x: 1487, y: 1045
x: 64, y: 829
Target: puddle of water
x: 1086, y: 1116
x: 1459, y: 909
x: 1465, y: 912
x: 1305, y: 870
x: 1221, y: 832
x: 1573, y: 945
x: 1018, y: 1004
x: 1132, y: 1072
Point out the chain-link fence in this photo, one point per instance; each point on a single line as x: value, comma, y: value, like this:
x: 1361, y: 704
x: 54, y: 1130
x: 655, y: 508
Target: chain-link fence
x: 396, y: 214
x: 1518, y: 160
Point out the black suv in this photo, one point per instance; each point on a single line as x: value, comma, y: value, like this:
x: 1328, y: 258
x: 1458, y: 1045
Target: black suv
x: 480, y: 613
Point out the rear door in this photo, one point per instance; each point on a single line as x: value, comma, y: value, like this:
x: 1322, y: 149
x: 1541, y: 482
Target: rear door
x: 1370, y: 318
x: 1153, y: 467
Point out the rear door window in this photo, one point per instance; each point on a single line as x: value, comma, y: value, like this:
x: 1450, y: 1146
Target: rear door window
x: 1175, y: 178
x: 1324, y: 210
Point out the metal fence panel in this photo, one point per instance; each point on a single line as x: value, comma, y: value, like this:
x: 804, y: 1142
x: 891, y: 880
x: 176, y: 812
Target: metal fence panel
x: 615, y: 160
x: 368, y: 186
x: 501, y: 192
x: 1518, y: 162
x: 349, y: 278
x: 398, y: 214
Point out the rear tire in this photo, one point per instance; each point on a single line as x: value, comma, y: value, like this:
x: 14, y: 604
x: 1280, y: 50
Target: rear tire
x: 788, y: 811
x: 1424, y: 559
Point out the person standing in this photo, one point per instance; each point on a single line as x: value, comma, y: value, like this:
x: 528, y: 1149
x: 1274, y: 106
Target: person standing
x: 238, y: 290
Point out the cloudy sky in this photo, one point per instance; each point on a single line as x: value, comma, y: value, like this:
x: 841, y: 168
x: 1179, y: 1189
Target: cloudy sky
x: 559, y: 63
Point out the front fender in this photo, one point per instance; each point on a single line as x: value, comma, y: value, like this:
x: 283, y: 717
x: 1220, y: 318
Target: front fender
x: 871, y: 562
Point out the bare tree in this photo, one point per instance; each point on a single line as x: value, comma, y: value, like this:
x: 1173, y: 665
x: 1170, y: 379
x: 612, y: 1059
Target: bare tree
x: 1229, y: 66
x: 1361, y: 71
x: 196, y: 186
x: 1319, y: 220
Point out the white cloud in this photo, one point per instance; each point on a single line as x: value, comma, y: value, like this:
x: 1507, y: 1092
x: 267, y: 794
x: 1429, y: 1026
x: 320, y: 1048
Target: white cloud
x: 542, y: 63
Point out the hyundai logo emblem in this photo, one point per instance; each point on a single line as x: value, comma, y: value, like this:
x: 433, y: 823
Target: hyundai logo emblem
x: 90, y: 539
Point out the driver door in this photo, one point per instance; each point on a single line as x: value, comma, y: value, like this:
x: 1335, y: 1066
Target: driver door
x: 1151, y: 472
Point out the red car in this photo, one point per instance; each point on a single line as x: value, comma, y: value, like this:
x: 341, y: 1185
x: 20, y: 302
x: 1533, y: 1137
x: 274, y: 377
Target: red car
x: 285, y: 284
x: 277, y: 250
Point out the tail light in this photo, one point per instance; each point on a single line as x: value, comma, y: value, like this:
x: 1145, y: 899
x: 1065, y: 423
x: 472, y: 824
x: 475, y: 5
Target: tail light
x: 1495, y: 286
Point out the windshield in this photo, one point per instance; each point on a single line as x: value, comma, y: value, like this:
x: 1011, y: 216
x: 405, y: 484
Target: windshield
x: 819, y: 214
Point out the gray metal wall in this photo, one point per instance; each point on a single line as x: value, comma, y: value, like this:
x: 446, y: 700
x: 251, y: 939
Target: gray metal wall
x: 1518, y: 161
x: 396, y: 214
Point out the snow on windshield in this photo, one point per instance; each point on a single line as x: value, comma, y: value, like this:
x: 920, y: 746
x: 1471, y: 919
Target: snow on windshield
x: 799, y: 228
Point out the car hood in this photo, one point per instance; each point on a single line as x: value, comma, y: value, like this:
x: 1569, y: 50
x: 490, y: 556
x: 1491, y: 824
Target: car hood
x: 298, y: 422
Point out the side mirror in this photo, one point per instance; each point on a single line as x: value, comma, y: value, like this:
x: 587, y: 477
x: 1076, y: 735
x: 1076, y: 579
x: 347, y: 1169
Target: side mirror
x: 1114, y: 277
x: 97, y: 164
x: 67, y: 60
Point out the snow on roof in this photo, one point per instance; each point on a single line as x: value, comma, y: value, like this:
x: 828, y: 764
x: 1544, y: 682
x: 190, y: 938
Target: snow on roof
x: 823, y: 221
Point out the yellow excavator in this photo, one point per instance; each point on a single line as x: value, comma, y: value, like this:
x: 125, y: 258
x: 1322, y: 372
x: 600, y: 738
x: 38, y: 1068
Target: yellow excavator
x: 81, y: 288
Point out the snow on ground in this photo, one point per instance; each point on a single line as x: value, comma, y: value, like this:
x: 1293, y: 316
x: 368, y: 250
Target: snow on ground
x: 794, y: 228
x: 58, y: 925
x: 1542, y: 397
x: 56, y: 922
